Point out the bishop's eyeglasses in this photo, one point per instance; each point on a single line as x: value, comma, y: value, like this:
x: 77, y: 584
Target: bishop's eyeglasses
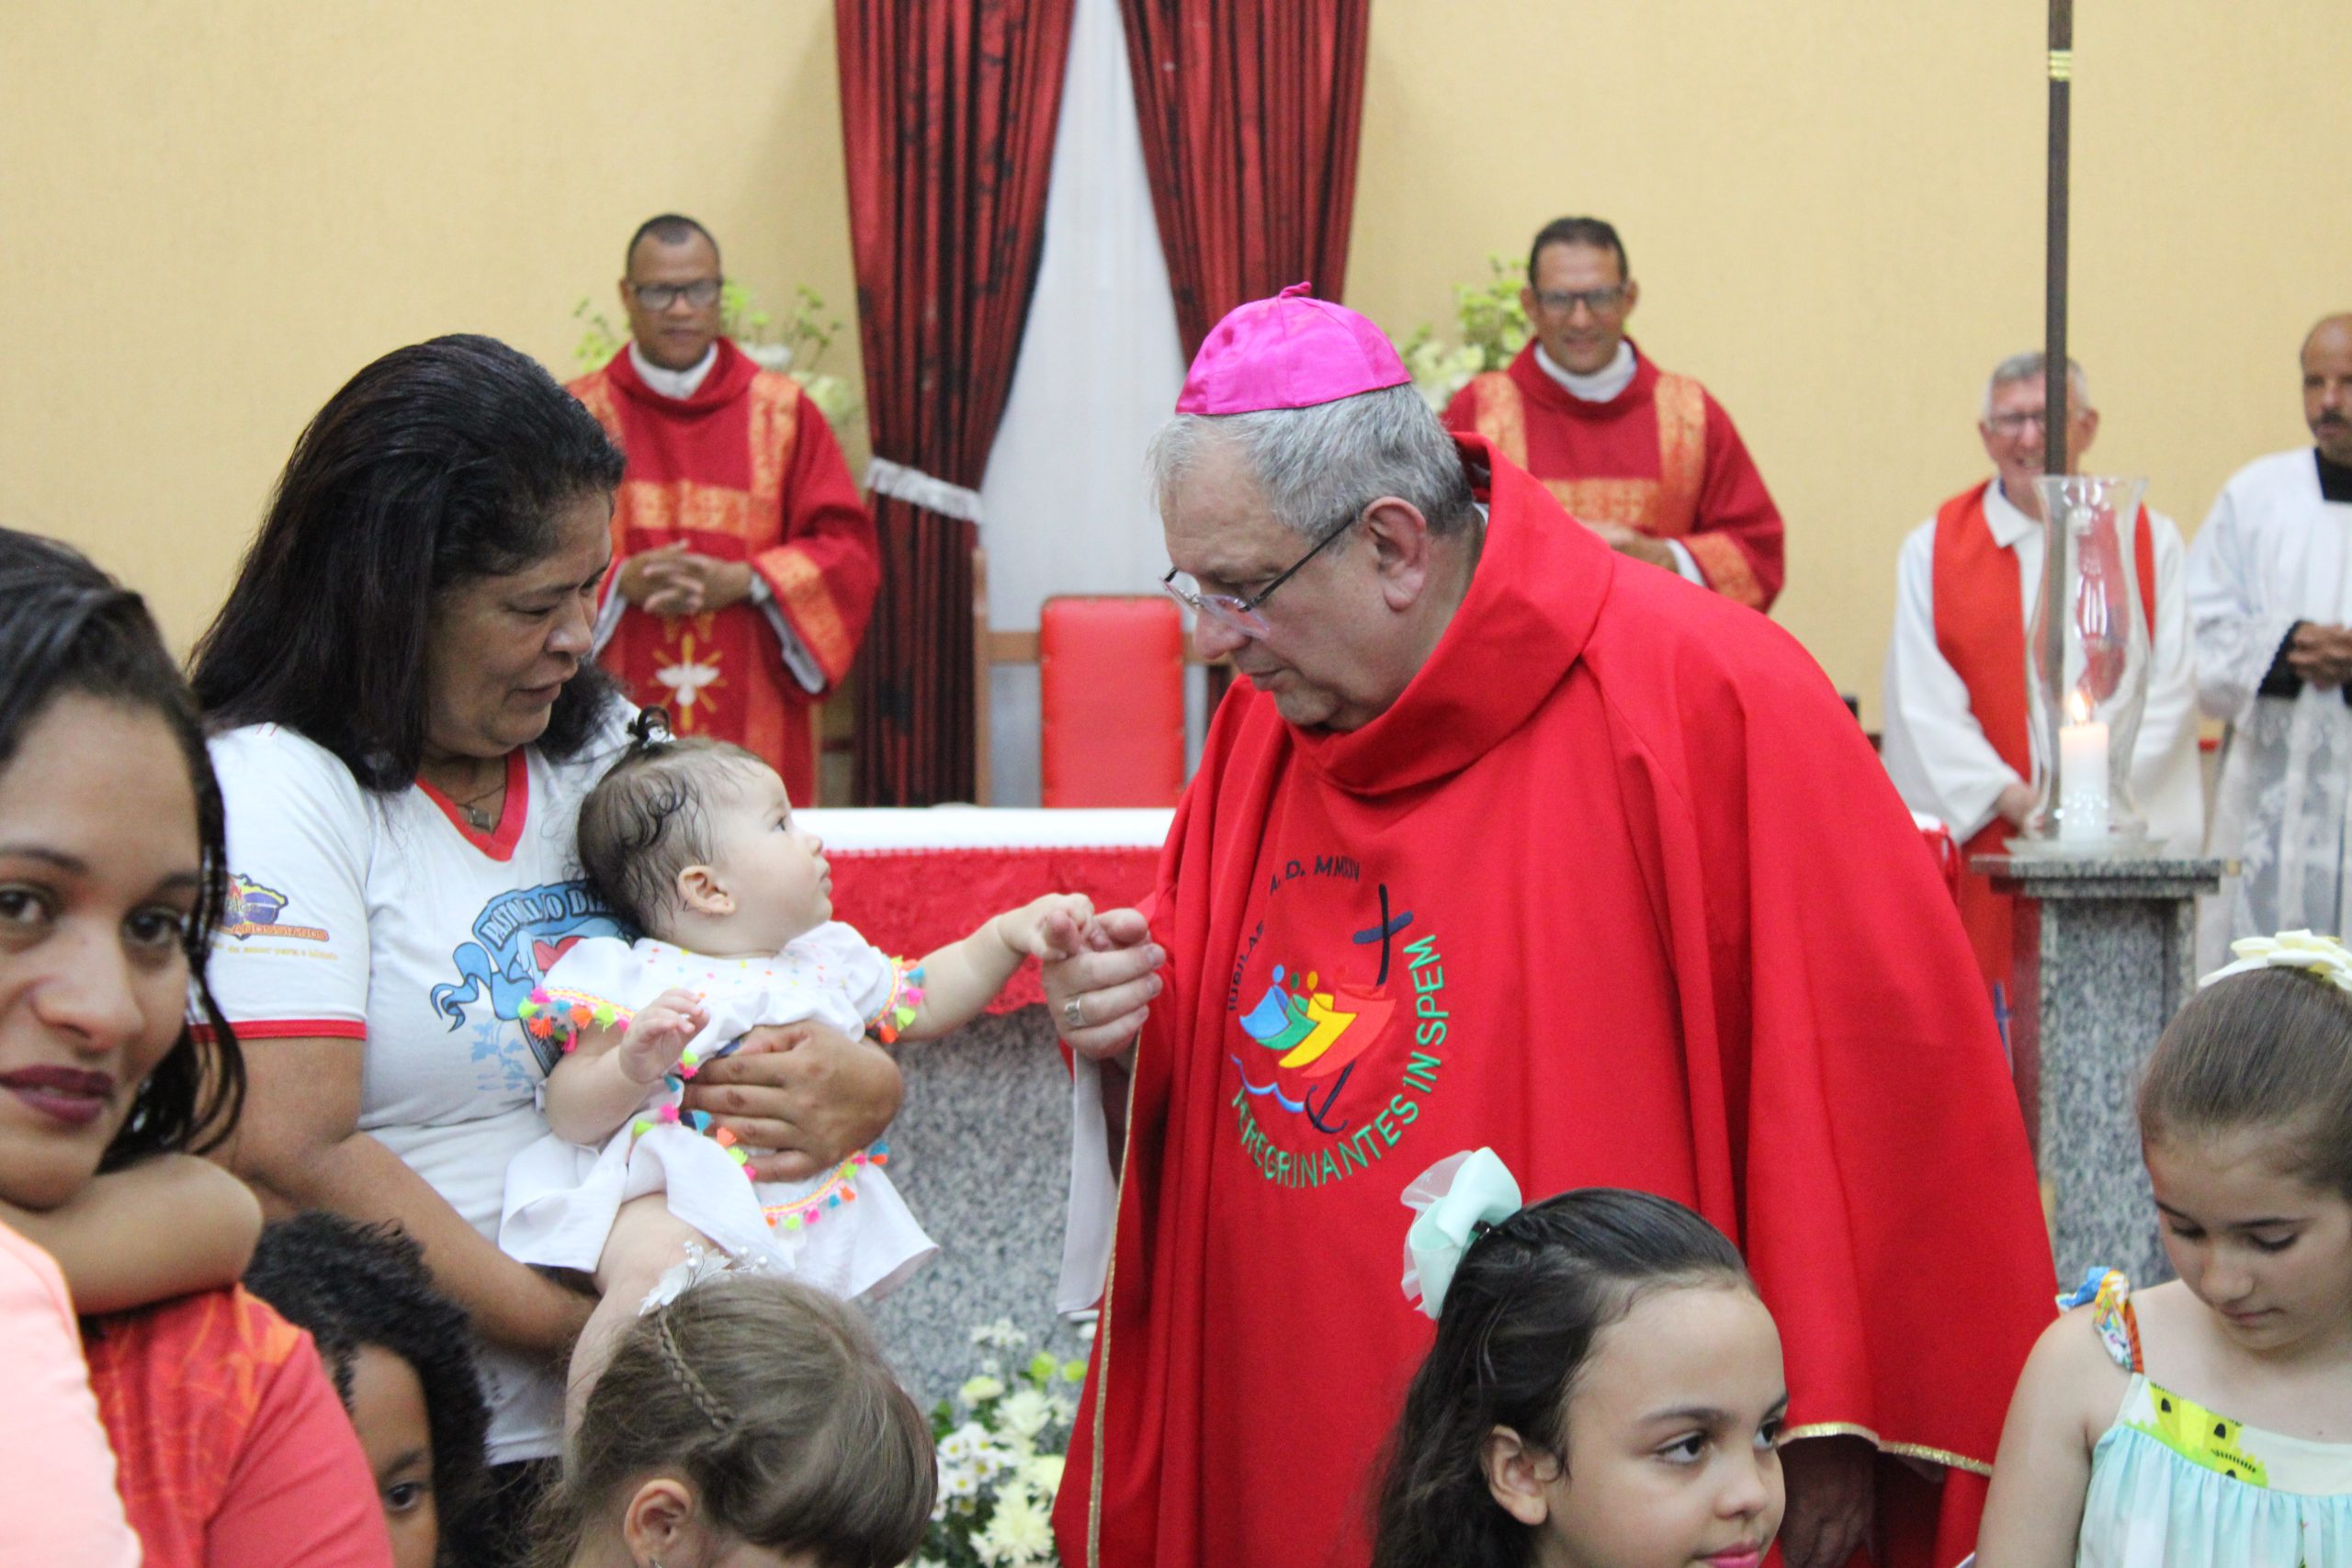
x: 1240, y: 615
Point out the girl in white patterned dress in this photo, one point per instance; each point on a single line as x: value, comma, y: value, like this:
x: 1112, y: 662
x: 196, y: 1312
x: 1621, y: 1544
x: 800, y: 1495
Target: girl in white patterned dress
x: 694, y: 843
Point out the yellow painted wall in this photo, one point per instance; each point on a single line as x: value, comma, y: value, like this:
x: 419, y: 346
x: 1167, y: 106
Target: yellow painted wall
x: 1835, y: 210
x: 211, y: 214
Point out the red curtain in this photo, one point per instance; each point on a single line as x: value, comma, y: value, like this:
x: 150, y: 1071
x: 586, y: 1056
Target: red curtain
x: 948, y: 110
x: 1250, y: 111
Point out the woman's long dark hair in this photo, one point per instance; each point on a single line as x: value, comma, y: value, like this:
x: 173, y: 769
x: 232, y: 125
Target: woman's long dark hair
x: 1527, y: 1300
x: 65, y: 628
x: 438, y: 464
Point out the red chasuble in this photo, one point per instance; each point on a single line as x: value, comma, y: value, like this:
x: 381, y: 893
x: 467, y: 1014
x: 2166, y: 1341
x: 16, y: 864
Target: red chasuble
x: 746, y: 469
x: 1661, y: 457
x: 1617, y: 888
x: 1980, y: 630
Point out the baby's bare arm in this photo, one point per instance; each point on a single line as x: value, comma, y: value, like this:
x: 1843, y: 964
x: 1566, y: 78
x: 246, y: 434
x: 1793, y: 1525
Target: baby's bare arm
x: 963, y: 977
x: 605, y: 1075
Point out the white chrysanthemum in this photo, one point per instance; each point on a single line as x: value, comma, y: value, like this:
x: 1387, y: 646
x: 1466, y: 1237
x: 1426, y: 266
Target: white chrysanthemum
x: 1044, y: 1471
x: 1019, y: 1532
x: 2323, y: 955
x: 1025, y: 1411
x: 981, y: 1388
x: 1000, y: 1336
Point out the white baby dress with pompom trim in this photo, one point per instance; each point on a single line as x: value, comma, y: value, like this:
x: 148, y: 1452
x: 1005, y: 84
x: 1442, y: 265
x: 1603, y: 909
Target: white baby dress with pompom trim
x: 846, y: 1231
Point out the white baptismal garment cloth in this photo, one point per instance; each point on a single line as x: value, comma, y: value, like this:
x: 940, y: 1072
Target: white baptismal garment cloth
x: 562, y: 1197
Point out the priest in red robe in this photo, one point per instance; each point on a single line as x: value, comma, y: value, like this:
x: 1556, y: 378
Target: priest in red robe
x: 1647, y: 459
x: 1509, y: 841
x: 745, y: 564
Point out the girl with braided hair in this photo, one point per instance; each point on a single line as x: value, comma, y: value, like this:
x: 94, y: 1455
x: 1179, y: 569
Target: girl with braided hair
x: 749, y: 1421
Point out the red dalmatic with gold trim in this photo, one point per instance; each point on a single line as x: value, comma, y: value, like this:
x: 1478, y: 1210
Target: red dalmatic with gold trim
x: 1661, y: 457
x: 745, y: 469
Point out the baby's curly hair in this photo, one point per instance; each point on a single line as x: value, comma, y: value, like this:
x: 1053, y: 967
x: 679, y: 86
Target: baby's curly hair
x: 649, y: 818
x: 352, y: 1286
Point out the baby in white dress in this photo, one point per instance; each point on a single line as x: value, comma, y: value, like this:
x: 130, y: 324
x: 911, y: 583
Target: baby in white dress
x: 694, y: 843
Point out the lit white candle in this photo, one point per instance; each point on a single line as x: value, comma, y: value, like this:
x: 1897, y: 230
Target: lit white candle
x: 2082, y: 773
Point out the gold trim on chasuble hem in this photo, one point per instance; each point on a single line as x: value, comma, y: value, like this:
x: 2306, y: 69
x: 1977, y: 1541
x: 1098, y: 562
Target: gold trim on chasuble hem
x: 1944, y: 1457
x: 800, y: 592
x: 1102, y: 1334
x: 1726, y: 567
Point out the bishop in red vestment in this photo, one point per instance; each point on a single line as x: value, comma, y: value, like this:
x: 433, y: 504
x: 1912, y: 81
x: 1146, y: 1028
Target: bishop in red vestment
x: 1646, y: 456
x: 1508, y: 841
x: 745, y: 564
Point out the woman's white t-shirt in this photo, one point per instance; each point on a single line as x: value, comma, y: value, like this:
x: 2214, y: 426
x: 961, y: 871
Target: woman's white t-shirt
x: 386, y: 919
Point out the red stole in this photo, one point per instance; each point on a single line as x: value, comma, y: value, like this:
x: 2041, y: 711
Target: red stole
x: 744, y: 470
x: 1617, y: 888
x: 1980, y: 630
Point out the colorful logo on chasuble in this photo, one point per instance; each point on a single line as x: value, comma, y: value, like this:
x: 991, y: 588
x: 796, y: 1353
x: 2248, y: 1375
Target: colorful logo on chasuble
x: 1337, y: 1024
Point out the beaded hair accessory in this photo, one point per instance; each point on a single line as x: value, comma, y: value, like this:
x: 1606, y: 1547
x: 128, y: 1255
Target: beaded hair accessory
x: 2322, y: 957
x: 1455, y: 1201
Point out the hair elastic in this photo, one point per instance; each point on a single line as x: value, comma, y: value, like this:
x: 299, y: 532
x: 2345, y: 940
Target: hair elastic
x: 1455, y: 1201
x: 650, y: 730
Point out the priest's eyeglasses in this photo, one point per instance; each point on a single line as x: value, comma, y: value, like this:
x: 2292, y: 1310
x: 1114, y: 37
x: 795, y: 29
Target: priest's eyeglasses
x: 1600, y: 301
x: 1240, y: 615
x: 700, y: 293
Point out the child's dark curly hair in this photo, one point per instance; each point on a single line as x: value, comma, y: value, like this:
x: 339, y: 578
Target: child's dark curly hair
x: 352, y: 1286
x: 649, y: 818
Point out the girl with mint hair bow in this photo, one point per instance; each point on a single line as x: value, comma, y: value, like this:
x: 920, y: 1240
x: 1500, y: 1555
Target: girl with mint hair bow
x: 1605, y: 1387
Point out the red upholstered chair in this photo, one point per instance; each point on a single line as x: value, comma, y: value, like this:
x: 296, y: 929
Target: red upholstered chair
x: 1111, y: 670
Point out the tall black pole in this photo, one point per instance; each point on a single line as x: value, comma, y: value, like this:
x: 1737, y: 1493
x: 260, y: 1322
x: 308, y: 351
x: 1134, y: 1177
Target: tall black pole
x: 2054, y: 553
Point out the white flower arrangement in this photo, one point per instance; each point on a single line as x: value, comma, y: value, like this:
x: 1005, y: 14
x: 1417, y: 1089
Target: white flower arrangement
x: 2324, y: 957
x: 1000, y: 1463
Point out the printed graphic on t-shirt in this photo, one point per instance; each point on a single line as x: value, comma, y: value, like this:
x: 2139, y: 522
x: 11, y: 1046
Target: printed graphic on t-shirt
x: 253, y: 911
x: 517, y: 938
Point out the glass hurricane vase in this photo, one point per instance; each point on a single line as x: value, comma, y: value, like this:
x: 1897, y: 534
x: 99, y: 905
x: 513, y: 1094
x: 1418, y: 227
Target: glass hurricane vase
x: 2087, y: 659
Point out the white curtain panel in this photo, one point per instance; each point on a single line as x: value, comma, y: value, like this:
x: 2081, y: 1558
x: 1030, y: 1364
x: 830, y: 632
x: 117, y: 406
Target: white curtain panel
x: 1066, y: 505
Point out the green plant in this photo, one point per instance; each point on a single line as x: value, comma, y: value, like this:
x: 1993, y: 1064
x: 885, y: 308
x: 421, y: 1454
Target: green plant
x: 1492, y: 327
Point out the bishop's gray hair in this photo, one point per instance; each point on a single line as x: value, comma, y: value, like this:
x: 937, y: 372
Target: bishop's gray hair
x: 1316, y: 464
x: 2032, y: 366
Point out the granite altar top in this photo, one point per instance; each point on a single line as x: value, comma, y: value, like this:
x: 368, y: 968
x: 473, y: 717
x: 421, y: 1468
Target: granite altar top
x: 2127, y: 875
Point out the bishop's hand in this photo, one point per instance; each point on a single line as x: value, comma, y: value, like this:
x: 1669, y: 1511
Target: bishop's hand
x: 1100, y: 979
x: 1833, y: 1501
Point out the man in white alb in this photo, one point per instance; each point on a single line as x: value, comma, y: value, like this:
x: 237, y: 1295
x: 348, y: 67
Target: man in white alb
x: 1959, y: 744
x: 2270, y: 596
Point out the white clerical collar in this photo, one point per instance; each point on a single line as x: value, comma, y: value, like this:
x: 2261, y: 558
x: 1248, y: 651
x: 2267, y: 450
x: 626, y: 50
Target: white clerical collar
x: 2001, y: 515
x: 671, y: 383
x: 1601, y: 385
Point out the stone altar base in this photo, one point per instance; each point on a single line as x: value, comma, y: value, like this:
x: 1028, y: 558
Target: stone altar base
x: 2105, y: 954
x: 981, y: 1154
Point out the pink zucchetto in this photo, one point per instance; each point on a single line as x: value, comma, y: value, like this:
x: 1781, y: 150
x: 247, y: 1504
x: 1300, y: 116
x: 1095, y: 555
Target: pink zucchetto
x: 1290, y: 352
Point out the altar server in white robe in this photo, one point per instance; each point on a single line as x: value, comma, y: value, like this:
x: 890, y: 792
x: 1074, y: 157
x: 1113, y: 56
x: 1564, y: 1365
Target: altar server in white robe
x: 1958, y: 743
x: 2270, y: 594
